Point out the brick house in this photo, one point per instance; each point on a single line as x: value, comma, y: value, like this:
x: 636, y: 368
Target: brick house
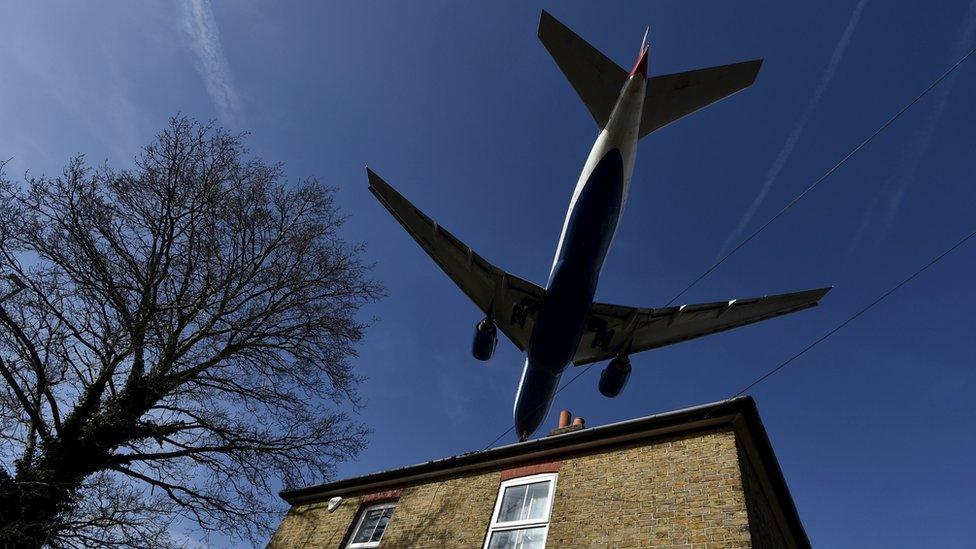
x: 702, y: 477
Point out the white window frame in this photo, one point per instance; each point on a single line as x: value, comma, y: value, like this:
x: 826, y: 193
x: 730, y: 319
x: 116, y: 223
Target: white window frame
x: 359, y: 522
x: 495, y: 526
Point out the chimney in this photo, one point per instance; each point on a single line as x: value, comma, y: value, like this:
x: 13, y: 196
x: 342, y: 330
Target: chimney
x: 564, y: 418
x: 564, y: 425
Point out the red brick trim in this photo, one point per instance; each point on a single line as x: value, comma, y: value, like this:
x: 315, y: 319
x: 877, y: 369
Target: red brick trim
x: 533, y: 469
x: 384, y: 495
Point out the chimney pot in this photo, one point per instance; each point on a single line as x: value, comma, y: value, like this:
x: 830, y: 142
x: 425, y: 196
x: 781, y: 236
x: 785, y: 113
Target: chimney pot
x: 564, y: 418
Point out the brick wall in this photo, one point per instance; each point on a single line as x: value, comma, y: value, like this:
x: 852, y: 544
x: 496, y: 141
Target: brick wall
x: 680, y: 492
x: 311, y: 525
x: 764, y: 530
x: 453, y: 512
x: 685, y: 491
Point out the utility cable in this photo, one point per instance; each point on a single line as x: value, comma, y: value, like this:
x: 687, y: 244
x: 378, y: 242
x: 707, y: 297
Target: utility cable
x: 559, y: 390
x: 505, y: 432
x: 945, y: 74
x: 853, y: 317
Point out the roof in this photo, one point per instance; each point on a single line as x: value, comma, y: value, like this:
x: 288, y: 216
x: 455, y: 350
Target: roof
x: 739, y: 413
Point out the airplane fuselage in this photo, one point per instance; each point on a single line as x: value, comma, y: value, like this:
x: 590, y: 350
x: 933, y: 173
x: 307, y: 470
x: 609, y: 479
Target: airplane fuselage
x: 588, y: 231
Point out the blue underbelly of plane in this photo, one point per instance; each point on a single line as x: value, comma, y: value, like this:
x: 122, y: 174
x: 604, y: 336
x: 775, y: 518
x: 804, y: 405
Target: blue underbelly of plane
x: 569, y: 293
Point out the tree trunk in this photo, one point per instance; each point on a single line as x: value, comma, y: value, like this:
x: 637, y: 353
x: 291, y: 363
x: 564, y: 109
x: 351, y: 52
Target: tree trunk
x: 32, y: 502
x: 28, y: 508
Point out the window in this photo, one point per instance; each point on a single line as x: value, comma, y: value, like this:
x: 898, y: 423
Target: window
x: 521, y: 516
x: 371, y: 525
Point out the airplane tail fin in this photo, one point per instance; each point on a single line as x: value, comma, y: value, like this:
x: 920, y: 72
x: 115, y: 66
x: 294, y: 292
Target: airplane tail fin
x: 598, y: 80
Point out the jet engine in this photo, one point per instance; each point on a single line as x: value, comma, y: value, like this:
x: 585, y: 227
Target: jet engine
x: 485, y: 339
x: 615, y: 376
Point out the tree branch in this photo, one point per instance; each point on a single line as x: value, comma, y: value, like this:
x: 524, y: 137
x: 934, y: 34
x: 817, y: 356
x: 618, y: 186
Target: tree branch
x: 29, y: 409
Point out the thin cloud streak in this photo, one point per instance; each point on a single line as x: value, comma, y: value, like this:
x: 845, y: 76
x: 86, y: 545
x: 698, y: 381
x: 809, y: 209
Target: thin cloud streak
x: 908, y: 166
x: 879, y: 216
x: 794, y: 137
x: 199, y: 23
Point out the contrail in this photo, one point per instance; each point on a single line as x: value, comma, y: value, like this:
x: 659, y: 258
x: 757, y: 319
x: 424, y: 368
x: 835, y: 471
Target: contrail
x: 200, y: 24
x: 905, y: 174
x: 791, y: 140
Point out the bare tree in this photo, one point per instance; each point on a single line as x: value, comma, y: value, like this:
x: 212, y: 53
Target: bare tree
x: 182, y: 344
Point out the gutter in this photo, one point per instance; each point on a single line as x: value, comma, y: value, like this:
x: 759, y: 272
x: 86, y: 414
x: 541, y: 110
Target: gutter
x: 686, y: 420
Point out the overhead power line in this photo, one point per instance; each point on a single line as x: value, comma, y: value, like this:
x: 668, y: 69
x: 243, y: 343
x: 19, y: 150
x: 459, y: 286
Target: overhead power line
x: 505, y: 432
x: 559, y: 390
x: 855, y: 316
x: 945, y: 74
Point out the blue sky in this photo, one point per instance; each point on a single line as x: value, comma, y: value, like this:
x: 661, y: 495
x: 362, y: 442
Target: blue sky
x: 460, y: 108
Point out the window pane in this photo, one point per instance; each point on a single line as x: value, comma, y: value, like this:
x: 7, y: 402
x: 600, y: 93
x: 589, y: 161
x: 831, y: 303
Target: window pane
x: 526, y: 501
x: 528, y: 538
x: 512, y: 504
x: 368, y: 525
x: 536, y: 501
x: 381, y: 524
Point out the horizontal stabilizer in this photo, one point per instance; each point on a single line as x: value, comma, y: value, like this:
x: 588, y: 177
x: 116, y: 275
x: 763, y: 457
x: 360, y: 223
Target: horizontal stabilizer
x: 672, y: 96
x: 598, y: 80
x: 595, y: 77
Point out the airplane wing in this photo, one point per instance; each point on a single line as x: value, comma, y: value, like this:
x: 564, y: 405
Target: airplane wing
x: 672, y: 96
x: 509, y: 300
x: 615, y: 330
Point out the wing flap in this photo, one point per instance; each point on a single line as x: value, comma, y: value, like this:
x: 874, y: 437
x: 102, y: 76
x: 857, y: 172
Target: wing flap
x: 617, y: 329
x: 508, y: 299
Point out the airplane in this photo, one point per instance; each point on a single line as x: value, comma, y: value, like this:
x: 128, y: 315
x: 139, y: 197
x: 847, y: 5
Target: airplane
x: 561, y: 324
